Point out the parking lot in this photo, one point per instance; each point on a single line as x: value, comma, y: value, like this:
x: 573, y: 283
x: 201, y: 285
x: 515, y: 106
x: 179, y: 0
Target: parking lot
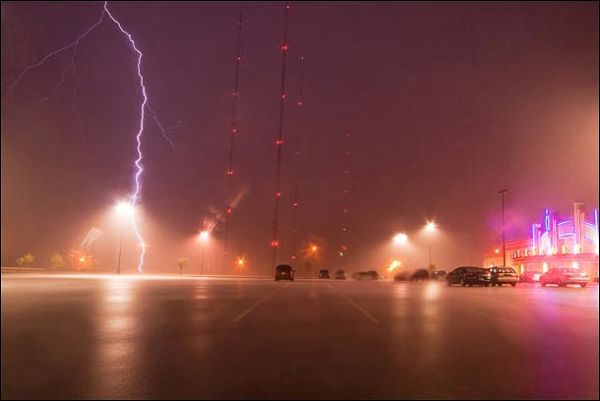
x: 165, y: 337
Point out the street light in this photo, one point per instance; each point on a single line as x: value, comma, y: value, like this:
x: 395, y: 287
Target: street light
x: 241, y: 262
x: 502, y: 192
x: 203, y: 236
x: 400, y: 239
x: 124, y: 210
x: 430, y: 228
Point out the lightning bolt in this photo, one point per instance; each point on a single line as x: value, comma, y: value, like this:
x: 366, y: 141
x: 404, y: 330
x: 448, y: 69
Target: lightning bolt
x: 135, y: 195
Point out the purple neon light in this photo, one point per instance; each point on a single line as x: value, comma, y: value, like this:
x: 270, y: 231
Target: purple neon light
x: 566, y: 235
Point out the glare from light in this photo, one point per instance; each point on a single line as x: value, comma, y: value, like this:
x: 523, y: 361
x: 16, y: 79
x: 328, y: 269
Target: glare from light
x: 204, y: 235
x: 125, y: 209
x: 400, y: 239
x: 394, y: 264
x: 430, y: 227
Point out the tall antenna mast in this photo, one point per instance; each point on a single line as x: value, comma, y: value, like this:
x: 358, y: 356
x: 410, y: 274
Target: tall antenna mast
x: 275, y: 243
x: 346, y: 193
x: 233, y: 133
x: 297, y: 155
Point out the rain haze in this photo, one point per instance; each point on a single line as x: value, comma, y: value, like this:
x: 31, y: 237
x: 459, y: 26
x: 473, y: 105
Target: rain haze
x: 445, y: 105
x: 306, y: 200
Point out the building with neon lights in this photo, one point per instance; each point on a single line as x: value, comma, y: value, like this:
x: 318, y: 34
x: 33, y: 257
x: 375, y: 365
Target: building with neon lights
x: 554, y: 242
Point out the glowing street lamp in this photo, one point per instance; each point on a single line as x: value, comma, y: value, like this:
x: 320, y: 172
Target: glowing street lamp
x: 240, y: 263
x: 430, y: 227
x: 125, y: 210
x: 204, y: 236
x: 400, y: 239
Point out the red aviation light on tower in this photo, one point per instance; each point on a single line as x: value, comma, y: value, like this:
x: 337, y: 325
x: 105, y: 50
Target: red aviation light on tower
x: 282, y: 96
x: 232, y: 138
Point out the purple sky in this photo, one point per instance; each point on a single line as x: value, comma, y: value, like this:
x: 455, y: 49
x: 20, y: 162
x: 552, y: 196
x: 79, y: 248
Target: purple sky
x: 446, y: 104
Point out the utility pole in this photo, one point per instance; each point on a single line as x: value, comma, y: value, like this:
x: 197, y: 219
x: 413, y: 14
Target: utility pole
x: 502, y: 192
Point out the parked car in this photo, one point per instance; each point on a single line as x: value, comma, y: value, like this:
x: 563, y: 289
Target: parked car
x: 341, y: 275
x: 419, y: 275
x: 469, y: 275
x: 439, y: 275
x: 530, y: 276
x: 361, y: 276
x: 503, y: 275
x: 374, y: 275
x: 323, y: 273
x: 284, y: 272
x: 401, y: 276
x: 562, y: 276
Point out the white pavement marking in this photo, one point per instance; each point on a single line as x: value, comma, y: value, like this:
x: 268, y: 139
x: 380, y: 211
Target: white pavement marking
x: 254, y: 305
x: 362, y: 310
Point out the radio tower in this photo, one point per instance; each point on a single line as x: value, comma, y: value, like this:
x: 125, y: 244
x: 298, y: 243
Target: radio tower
x: 346, y: 203
x: 233, y: 133
x: 275, y: 243
x: 297, y: 154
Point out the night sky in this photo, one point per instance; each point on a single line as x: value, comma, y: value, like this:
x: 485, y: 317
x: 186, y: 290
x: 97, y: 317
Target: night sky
x: 446, y: 104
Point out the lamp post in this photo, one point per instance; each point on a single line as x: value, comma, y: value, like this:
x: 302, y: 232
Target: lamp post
x: 203, y: 236
x: 502, y: 192
x: 430, y: 228
x: 120, y: 250
x: 124, y: 210
x: 241, y: 262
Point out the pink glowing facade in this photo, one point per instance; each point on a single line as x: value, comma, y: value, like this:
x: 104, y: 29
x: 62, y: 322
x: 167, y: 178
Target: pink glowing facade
x: 555, y: 242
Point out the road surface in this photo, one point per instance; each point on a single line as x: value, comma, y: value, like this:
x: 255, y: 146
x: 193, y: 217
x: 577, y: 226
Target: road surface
x: 165, y: 337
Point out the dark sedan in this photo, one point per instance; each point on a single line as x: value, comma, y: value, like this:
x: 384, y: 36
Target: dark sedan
x: 469, y: 275
x: 340, y: 275
x: 284, y: 272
